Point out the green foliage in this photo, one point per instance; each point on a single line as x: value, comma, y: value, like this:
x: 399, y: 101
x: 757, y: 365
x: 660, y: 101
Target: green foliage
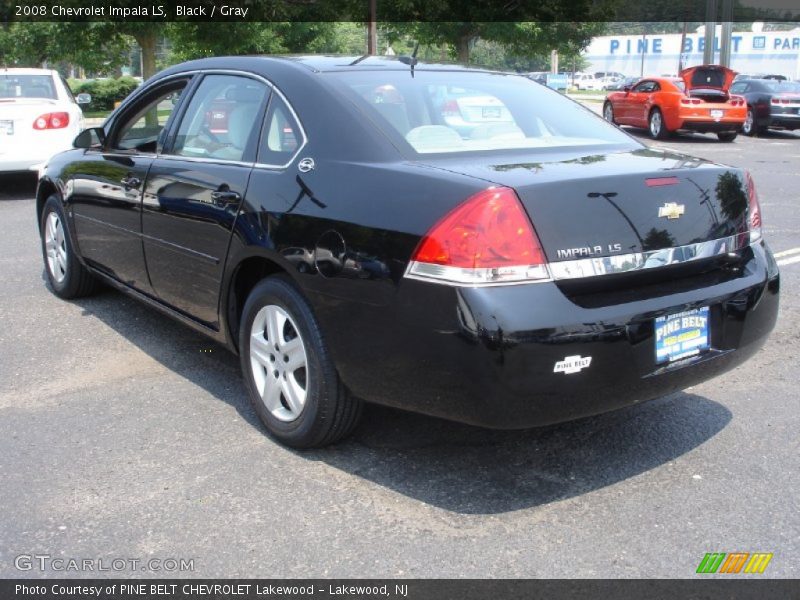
x: 521, y: 46
x: 105, y: 92
x: 90, y: 45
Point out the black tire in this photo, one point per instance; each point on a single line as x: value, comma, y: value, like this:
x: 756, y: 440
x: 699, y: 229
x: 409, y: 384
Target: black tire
x: 750, y: 127
x: 727, y: 136
x: 608, y: 113
x: 75, y: 281
x: 656, y: 126
x: 329, y: 412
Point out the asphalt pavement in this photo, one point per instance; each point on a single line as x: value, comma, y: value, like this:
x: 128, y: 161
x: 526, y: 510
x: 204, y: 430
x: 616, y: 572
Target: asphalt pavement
x: 124, y: 435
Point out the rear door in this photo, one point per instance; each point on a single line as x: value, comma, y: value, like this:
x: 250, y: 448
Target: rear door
x: 195, y: 188
x: 107, y: 185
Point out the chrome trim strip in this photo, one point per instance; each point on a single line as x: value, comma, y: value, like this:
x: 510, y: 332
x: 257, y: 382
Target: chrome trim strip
x: 591, y: 267
x: 653, y: 259
x: 482, y: 277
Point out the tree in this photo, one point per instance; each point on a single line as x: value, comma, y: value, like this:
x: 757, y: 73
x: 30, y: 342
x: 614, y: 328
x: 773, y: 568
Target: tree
x: 524, y: 39
x: 86, y: 44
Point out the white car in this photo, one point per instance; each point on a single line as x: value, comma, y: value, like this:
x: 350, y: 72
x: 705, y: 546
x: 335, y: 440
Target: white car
x: 586, y: 81
x: 39, y: 117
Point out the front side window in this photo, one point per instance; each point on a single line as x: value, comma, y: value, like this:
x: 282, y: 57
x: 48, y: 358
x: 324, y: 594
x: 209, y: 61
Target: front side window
x: 143, y: 130
x: 645, y: 87
x: 447, y: 111
x: 27, y: 86
x: 221, y: 119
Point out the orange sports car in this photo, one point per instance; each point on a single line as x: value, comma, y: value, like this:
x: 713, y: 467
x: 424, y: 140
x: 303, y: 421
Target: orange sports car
x: 697, y: 101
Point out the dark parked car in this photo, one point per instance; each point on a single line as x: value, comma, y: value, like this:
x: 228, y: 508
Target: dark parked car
x: 622, y: 84
x: 351, y: 245
x: 770, y: 103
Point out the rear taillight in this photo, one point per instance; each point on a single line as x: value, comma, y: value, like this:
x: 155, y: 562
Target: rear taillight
x: 450, y: 108
x: 754, y: 210
x: 691, y: 101
x: 486, y: 240
x: 56, y: 120
x: 737, y: 101
x: 776, y: 101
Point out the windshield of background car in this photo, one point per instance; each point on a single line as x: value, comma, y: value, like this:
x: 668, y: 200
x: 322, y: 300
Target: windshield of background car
x: 444, y: 112
x: 27, y: 86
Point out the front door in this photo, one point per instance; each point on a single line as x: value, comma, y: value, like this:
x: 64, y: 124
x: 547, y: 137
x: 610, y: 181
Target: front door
x: 107, y: 187
x: 194, y: 190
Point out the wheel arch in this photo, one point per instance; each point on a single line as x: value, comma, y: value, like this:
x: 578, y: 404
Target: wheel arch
x: 247, y: 270
x: 44, y: 189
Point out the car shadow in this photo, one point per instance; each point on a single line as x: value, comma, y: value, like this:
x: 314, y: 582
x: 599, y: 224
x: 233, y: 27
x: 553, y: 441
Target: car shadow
x: 688, y: 137
x: 18, y: 186
x: 456, y: 467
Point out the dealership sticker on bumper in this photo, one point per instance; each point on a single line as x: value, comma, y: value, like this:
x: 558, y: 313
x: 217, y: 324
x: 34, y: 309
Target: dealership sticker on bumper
x: 682, y: 334
x: 572, y: 364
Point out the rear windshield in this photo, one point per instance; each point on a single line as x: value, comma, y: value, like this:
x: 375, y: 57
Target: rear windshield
x: 27, y: 86
x: 782, y: 86
x: 444, y: 112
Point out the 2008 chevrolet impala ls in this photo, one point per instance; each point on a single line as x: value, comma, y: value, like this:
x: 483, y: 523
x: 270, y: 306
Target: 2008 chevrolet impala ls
x: 457, y: 242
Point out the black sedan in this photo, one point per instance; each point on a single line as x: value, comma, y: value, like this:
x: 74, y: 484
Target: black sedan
x: 333, y: 222
x: 621, y: 84
x: 770, y: 103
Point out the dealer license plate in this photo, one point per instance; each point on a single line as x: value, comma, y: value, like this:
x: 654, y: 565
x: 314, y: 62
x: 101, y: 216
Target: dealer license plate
x: 6, y: 127
x: 717, y: 114
x: 682, y: 334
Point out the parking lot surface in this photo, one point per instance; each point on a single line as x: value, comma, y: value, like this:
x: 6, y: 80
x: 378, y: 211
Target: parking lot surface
x: 125, y: 435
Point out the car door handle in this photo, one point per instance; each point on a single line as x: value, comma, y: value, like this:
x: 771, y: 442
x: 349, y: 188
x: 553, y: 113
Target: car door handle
x: 130, y: 182
x: 225, y: 197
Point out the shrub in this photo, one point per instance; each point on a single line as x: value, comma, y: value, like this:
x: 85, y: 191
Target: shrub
x: 105, y: 92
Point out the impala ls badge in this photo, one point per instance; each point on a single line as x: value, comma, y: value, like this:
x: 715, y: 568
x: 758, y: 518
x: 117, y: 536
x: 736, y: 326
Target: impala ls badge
x: 306, y: 165
x: 671, y: 210
x: 572, y: 364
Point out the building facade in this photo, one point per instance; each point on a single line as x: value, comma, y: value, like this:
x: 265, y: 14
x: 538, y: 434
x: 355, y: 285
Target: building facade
x: 768, y: 52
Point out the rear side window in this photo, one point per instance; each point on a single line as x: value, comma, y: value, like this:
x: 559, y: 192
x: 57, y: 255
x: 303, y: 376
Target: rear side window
x: 221, y: 119
x: 444, y: 111
x: 282, y: 135
x: 27, y: 86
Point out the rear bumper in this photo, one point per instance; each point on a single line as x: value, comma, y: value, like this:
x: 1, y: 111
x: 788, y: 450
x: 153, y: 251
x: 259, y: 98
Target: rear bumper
x: 705, y: 126
x: 486, y: 356
x: 785, y: 120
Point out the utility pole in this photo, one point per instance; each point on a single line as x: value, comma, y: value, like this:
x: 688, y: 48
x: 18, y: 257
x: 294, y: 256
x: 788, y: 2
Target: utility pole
x: 372, y: 28
x: 727, y: 33
x: 644, y: 51
x: 711, y: 28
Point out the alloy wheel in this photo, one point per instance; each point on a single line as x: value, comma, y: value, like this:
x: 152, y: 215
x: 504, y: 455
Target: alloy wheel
x: 609, y: 113
x: 655, y: 123
x: 279, y: 363
x: 747, y: 128
x: 56, y: 247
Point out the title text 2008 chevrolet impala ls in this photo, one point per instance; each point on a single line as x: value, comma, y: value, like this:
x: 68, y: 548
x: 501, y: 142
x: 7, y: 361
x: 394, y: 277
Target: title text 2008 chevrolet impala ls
x: 451, y: 241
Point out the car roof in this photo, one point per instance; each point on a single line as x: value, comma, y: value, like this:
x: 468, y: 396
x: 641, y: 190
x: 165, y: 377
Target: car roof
x: 320, y: 63
x: 25, y: 71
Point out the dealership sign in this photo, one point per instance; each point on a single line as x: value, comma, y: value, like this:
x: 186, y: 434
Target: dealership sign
x: 751, y: 52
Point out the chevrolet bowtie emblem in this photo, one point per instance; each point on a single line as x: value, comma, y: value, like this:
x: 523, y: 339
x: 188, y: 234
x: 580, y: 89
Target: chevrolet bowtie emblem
x: 671, y: 210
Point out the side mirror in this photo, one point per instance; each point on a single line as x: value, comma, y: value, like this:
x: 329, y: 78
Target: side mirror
x: 94, y: 137
x: 83, y: 98
x: 626, y: 88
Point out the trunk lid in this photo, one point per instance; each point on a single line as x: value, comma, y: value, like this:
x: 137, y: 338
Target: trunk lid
x: 611, y: 204
x: 708, y: 82
x: 18, y: 114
